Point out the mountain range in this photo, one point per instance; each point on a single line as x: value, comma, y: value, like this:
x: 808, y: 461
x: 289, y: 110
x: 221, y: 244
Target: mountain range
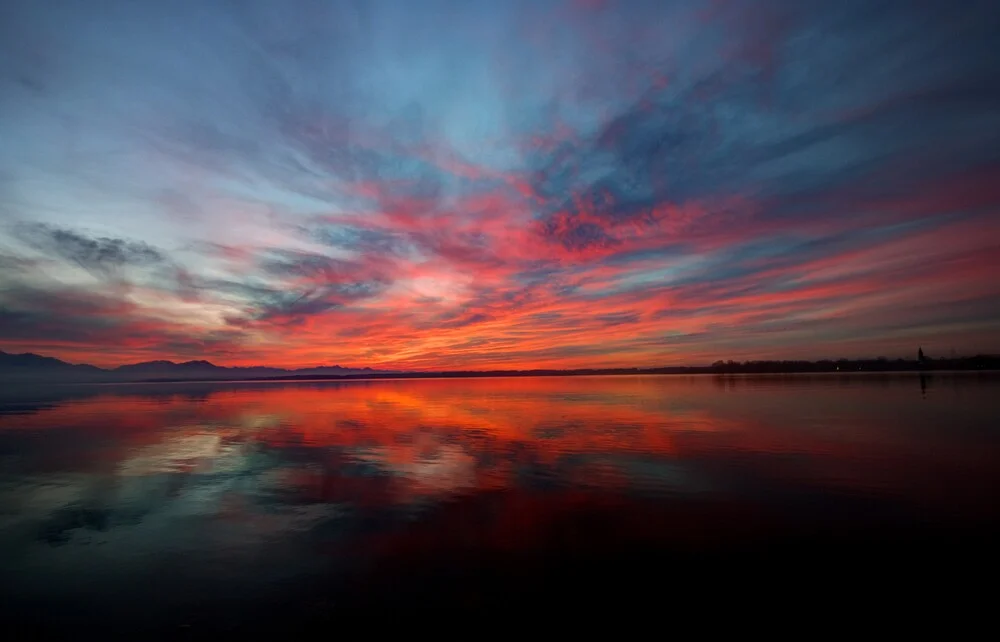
x: 33, y: 367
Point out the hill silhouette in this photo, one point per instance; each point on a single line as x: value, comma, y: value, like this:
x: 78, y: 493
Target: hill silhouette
x: 29, y: 367
x: 33, y: 367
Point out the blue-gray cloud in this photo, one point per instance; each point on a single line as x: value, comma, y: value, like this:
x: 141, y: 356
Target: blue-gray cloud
x: 663, y: 175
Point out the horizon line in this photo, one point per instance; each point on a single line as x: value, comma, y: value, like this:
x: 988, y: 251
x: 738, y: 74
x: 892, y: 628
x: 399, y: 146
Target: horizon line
x: 516, y: 369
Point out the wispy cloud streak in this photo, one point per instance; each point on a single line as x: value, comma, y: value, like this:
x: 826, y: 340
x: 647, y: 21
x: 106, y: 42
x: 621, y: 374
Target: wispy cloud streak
x: 477, y: 185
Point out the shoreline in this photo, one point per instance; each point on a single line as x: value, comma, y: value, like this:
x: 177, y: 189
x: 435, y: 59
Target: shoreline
x: 699, y: 372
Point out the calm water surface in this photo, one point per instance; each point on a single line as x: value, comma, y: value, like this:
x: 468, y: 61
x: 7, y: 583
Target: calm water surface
x: 220, y: 505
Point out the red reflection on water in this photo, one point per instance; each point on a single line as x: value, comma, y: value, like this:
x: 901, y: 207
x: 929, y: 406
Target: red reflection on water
x: 441, y: 436
x: 510, y: 478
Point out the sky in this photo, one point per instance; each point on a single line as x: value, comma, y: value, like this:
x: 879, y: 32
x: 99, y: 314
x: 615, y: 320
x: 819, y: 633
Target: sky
x: 445, y: 184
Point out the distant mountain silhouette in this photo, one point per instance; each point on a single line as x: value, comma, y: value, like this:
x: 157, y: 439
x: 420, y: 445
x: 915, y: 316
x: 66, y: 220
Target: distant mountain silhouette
x: 34, y: 367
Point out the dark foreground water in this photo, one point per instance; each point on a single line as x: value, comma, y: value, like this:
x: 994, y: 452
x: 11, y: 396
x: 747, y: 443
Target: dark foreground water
x: 248, y: 507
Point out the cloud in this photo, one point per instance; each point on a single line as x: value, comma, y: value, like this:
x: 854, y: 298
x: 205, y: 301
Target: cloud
x: 73, y: 322
x: 617, y: 318
x: 101, y: 256
x: 654, y: 183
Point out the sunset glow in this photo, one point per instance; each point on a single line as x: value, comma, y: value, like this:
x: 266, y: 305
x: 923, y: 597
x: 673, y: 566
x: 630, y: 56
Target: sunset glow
x: 483, y: 185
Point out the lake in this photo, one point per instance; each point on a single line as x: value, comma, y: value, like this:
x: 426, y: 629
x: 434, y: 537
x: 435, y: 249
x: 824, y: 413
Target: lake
x: 240, y: 506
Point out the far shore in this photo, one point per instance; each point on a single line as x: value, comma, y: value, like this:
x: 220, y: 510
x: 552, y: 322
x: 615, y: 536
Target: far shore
x: 994, y: 368
x: 978, y: 364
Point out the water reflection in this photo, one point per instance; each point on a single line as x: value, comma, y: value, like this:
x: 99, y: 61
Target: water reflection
x: 242, y: 488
